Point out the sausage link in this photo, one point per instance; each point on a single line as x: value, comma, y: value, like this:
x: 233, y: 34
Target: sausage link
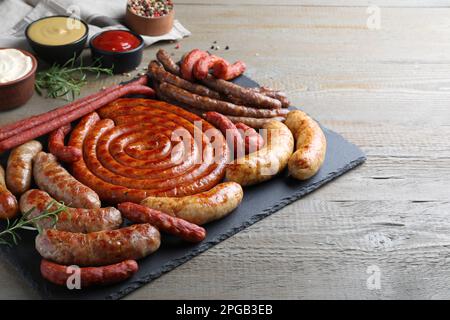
x: 202, y: 66
x: 248, y: 96
x: 164, y: 57
x: 51, y: 177
x: 208, y: 104
x: 98, y: 248
x: 9, y: 207
x: 252, y: 139
x: 229, y: 130
x: 164, y: 222
x: 159, y: 74
x: 223, y: 70
x: 255, y: 123
x: 203, y: 207
x: 89, y: 276
x: 311, y: 145
x: 276, y: 94
x: 266, y: 163
x: 34, y: 202
x: 20, y: 167
x: 188, y: 63
x: 58, y: 149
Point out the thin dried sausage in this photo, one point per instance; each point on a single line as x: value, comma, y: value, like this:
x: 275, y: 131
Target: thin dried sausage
x: 89, y: 276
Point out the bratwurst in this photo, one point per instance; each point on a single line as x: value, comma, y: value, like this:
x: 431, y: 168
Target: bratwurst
x: 203, y: 207
x: 98, y: 248
x: 34, y: 202
x: 311, y: 145
x: 20, y: 166
x: 267, y: 162
x: 51, y: 177
x: 8, y: 202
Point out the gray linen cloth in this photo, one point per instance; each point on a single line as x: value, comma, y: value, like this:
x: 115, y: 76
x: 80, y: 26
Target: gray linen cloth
x: 101, y: 15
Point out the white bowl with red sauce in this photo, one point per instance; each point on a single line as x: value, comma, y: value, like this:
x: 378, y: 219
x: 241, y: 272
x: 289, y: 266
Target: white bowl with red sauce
x: 120, y: 50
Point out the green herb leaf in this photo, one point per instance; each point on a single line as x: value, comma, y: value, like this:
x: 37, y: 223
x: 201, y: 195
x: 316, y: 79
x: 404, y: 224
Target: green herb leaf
x: 67, y: 80
x: 25, y: 222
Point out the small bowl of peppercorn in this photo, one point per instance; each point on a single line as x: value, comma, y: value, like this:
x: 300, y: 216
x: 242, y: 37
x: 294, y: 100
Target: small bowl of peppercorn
x: 150, y: 17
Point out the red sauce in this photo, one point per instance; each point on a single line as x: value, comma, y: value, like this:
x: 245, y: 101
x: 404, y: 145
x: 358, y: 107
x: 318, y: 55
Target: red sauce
x: 116, y: 40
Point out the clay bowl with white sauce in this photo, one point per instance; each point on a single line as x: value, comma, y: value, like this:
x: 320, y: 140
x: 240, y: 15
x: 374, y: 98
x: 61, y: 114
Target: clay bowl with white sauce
x: 17, y: 77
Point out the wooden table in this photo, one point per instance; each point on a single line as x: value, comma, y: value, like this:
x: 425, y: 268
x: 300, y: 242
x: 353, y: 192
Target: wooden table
x: 388, y: 91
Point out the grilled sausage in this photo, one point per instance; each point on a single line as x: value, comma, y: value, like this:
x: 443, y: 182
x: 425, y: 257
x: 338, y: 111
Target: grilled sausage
x: 189, y: 61
x: 202, y: 66
x: 248, y: 96
x: 223, y: 70
x: 98, y: 248
x: 311, y: 145
x: 160, y: 75
x: 34, y: 202
x: 164, y: 222
x: 58, y: 149
x: 203, y: 207
x: 51, y: 177
x: 89, y: 276
x: 252, y: 139
x: 9, y: 207
x: 20, y: 167
x: 208, y: 104
x: 164, y: 57
x: 255, y: 123
x: 229, y: 130
x: 264, y: 164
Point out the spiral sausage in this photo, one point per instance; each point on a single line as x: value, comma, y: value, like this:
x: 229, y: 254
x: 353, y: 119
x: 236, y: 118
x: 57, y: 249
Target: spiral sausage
x: 134, y: 151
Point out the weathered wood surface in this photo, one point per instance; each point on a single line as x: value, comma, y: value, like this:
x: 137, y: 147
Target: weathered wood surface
x: 386, y: 90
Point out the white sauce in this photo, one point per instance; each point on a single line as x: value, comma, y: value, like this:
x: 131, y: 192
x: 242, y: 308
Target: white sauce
x: 13, y: 65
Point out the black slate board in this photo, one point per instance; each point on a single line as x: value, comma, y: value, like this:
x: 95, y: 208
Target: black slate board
x: 259, y: 202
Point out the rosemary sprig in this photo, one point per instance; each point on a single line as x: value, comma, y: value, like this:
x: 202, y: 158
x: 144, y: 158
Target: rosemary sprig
x: 67, y: 80
x: 29, y: 224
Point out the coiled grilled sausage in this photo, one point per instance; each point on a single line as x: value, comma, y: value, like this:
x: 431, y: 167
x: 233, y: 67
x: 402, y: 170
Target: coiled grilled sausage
x: 72, y: 219
x: 200, y: 208
x: 311, y: 145
x: 122, y: 164
x: 98, y: 248
x: 20, y: 167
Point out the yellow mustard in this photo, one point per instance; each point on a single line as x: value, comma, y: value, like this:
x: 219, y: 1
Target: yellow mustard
x: 56, y: 31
